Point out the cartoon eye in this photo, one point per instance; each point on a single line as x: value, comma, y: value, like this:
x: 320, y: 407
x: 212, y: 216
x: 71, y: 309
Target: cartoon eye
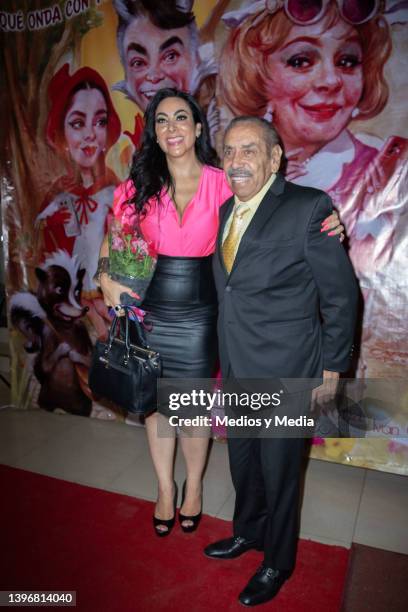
x: 299, y: 61
x: 349, y: 61
x: 171, y: 57
x: 77, y: 124
x: 58, y: 290
x: 137, y: 63
x: 102, y: 122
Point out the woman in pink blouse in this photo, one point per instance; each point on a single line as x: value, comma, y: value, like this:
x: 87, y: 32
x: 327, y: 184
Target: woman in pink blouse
x: 177, y: 191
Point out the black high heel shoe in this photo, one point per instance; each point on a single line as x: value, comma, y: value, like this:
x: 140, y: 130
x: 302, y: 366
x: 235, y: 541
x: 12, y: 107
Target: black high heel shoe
x: 169, y: 523
x: 183, y: 517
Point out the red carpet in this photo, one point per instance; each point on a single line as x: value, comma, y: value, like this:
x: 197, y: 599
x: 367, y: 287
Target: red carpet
x: 63, y: 536
x: 376, y: 581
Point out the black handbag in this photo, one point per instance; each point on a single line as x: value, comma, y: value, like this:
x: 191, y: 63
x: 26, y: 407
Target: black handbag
x: 124, y: 372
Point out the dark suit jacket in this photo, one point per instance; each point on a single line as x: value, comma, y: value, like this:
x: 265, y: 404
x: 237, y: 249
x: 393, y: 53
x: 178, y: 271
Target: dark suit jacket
x: 288, y: 308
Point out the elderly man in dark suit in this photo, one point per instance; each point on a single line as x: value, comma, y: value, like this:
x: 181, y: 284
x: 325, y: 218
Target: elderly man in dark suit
x: 287, y: 308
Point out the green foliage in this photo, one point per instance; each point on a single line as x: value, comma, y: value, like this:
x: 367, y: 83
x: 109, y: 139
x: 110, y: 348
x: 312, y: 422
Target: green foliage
x: 130, y: 262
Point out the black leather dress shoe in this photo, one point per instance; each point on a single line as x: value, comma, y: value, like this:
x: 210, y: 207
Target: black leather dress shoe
x: 229, y: 548
x: 263, y: 586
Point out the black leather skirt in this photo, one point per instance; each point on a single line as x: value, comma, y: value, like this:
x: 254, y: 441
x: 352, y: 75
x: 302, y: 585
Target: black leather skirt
x: 181, y: 309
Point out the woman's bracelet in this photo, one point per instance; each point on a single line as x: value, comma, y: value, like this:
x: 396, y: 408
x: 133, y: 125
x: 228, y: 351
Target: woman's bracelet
x: 103, y: 266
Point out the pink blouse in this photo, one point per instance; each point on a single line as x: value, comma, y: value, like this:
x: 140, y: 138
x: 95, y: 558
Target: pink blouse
x: 195, y: 236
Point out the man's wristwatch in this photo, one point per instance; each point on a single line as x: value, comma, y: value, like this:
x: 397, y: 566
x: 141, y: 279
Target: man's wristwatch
x: 103, y: 266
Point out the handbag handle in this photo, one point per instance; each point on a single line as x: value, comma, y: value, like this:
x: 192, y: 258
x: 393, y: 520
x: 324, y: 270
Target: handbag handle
x: 140, y: 332
x: 112, y: 331
x: 139, y: 328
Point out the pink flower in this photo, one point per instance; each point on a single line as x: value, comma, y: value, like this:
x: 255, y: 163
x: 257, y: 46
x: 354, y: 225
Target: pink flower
x: 134, y: 245
x: 138, y: 245
x: 117, y: 243
x: 142, y: 246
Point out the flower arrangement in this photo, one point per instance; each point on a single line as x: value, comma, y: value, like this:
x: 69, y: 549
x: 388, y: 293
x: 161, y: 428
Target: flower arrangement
x: 132, y: 260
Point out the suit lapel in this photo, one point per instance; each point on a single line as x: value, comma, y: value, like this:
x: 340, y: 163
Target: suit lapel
x: 265, y: 210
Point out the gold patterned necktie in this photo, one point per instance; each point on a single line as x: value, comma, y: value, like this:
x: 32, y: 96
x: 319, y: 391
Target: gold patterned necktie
x: 229, y: 246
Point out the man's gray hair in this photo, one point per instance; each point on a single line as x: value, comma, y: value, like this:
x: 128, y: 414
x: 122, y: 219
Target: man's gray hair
x: 271, y: 135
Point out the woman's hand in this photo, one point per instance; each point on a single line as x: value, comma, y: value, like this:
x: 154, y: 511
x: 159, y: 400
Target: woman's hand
x: 112, y: 291
x: 333, y: 226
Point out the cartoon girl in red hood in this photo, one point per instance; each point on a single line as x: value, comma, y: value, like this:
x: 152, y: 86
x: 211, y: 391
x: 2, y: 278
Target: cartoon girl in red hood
x: 82, y: 126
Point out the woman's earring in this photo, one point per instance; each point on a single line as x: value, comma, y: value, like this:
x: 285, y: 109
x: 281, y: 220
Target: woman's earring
x: 355, y: 112
x: 268, y: 116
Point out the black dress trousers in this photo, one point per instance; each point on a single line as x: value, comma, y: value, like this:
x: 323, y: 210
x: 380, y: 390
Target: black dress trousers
x: 266, y: 473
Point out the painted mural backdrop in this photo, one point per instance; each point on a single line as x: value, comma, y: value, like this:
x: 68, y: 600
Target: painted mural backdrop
x: 77, y: 76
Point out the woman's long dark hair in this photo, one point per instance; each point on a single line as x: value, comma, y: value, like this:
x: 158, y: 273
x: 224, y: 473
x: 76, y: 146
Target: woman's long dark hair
x: 149, y: 172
